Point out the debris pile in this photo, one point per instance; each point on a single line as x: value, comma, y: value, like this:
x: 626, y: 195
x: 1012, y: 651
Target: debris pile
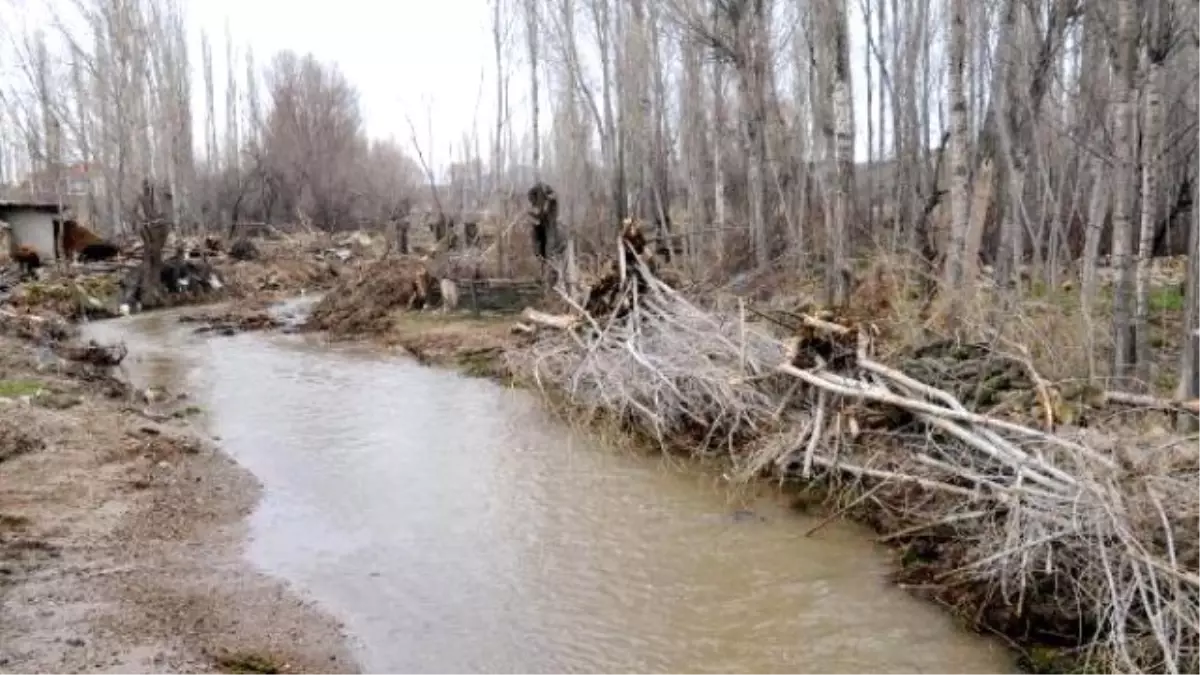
x: 51, y: 328
x: 80, y: 294
x: 59, y: 340
x: 198, y: 269
x: 283, y: 266
x: 1036, y: 524
x: 232, y: 322
x: 361, y: 304
x: 94, y: 353
x: 243, y: 249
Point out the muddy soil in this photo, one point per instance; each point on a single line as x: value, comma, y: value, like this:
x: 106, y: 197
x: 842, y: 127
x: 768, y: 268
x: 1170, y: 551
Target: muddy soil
x: 232, y: 318
x: 121, y: 535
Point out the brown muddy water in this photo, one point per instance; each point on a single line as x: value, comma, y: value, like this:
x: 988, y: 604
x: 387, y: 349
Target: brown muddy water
x: 455, y: 526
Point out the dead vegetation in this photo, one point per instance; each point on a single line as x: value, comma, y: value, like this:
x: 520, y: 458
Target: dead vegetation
x: 232, y: 320
x: 363, y: 303
x: 266, y: 268
x: 288, y: 265
x: 1040, y: 508
x: 15, y: 439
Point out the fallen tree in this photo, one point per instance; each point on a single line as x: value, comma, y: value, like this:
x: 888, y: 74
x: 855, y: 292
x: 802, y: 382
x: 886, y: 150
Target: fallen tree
x: 1012, y: 499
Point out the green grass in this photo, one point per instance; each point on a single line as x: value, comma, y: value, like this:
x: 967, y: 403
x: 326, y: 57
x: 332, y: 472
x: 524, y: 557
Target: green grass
x: 1166, y: 299
x: 19, y: 388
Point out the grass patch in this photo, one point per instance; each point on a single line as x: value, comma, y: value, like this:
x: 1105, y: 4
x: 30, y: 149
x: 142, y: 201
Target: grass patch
x: 19, y: 388
x: 1166, y: 299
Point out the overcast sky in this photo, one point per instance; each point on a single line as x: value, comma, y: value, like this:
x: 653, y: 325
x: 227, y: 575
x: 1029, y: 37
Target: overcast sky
x: 406, y: 57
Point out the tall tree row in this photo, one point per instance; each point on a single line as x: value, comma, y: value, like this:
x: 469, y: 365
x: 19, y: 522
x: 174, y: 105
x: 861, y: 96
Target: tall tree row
x: 1041, y: 144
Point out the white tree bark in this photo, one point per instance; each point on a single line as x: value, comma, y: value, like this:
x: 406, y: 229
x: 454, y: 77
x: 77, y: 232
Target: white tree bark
x: 1124, y: 98
x: 959, y: 171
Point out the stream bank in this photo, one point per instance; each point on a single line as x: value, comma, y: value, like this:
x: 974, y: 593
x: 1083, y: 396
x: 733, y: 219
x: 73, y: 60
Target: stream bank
x: 122, y: 534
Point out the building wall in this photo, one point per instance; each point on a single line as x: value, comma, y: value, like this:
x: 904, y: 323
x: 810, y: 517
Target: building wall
x: 34, y: 229
x: 6, y: 245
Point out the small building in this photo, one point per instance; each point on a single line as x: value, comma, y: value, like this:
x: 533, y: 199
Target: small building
x: 33, y: 224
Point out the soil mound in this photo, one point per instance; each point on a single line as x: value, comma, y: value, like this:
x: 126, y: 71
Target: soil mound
x: 362, y: 303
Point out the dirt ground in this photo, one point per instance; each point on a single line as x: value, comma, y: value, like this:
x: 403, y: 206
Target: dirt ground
x: 472, y: 344
x: 121, y: 535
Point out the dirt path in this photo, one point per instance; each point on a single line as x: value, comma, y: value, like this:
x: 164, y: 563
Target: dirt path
x: 121, y: 543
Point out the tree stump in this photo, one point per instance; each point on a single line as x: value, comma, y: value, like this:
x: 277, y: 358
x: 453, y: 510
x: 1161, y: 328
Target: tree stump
x: 154, y: 231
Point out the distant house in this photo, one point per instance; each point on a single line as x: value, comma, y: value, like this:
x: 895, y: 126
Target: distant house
x: 32, y: 224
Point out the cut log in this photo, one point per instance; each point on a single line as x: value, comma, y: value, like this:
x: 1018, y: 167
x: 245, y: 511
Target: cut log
x: 559, y: 321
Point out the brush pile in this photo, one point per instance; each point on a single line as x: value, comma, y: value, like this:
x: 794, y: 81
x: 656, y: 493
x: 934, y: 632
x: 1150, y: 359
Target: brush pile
x: 1038, y: 526
x: 232, y: 321
x: 89, y: 294
x: 362, y: 303
x: 55, y: 336
x: 51, y: 328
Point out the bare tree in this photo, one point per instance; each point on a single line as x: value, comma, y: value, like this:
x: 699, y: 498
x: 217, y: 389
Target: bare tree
x: 312, y: 137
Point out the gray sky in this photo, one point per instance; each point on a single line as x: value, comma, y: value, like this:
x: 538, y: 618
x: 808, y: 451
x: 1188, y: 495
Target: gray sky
x: 406, y: 57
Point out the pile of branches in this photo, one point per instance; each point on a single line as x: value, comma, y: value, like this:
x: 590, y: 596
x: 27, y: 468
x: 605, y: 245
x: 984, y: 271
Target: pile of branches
x: 1063, y: 527
x: 94, y: 353
x: 362, y: 303
x: 88, y: 360
x: 50, y: 328
x: 637, y: 348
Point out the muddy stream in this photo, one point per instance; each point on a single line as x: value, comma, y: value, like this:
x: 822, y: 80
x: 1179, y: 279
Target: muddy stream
x: 455, y: 526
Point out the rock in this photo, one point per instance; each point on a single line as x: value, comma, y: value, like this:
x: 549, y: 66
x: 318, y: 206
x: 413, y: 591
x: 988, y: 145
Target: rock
x: 747, y: 516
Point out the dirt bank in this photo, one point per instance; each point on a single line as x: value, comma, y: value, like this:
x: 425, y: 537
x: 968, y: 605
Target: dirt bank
x: 396, y: 302
x: 121, y: 534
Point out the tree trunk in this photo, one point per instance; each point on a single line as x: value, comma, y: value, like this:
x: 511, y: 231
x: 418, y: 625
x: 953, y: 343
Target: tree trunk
x: 1125, y: 140
x: 531, y: 37
x: 1152, y: 161
x: 838, y: 269
x: 959, y: 176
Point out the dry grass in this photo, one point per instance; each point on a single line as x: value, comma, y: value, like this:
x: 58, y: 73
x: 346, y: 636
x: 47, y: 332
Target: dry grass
x: 475, y: 345
x: 290, y: 265
x: 1049, y: 533
x: 1048, y: 324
